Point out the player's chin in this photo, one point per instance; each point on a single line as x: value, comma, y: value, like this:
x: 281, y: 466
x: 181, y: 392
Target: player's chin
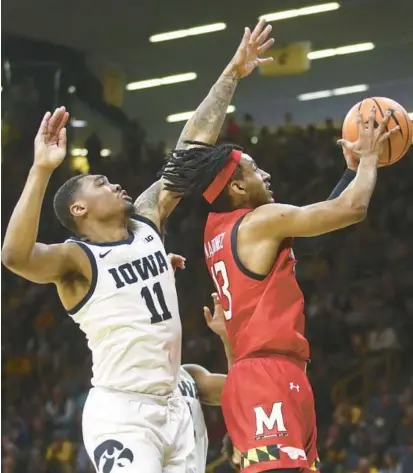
x: 129, y: 208
x: 270, y: 197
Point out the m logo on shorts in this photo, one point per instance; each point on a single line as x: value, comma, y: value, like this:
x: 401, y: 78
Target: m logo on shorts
x: 271, y: 422
x: 111, y: 453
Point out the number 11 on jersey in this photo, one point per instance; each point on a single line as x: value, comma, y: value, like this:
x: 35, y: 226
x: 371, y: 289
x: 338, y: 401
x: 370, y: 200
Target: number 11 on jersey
x: 219, y: 270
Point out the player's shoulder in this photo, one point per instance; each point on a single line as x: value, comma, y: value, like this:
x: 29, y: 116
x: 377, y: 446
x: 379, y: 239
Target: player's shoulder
x: 140, y: 221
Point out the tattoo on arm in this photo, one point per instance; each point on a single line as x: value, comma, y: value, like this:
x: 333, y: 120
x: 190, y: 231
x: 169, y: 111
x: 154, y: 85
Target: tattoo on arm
x: 147, y: 203
x: 207, y: 121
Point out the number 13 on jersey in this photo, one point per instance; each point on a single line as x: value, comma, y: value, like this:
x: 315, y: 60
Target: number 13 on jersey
x: 219, y: 273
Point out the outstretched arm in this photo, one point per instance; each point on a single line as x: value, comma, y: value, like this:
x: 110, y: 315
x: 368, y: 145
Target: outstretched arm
x: 157, y: 203
x: 277, y: 221
x: 21, y: 253
x: 209, y: 385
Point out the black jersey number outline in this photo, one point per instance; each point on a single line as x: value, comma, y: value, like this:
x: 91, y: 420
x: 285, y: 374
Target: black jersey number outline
x: 148, y: 297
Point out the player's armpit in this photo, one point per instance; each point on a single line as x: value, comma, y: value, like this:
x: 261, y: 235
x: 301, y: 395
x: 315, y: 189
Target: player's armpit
x: 47, y: 263
x: 209, y: 385
x: 282, y: 221
x: 156, y: 203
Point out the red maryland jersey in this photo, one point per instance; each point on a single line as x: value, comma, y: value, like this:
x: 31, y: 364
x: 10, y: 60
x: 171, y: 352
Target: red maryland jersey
x: 264, y: 315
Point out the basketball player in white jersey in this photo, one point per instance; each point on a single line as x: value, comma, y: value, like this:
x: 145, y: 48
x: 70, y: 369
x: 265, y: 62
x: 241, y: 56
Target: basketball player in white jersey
x: 198, y: 386
x: 114, y: 280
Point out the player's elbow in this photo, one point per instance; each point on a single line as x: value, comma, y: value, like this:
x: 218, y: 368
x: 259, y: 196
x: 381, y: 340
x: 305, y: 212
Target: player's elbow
x: 356, y: 213
x: 355, y: 210
x: 8, y: 258
x: 11, y: 259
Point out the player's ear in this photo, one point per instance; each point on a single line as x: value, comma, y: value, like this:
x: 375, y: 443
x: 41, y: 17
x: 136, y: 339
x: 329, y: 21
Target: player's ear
x: 237, y: 187
x: 78, y: 209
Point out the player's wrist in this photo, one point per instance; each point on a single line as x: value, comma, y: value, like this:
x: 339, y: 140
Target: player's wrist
x: 39, y: 171
x: 369, y: 158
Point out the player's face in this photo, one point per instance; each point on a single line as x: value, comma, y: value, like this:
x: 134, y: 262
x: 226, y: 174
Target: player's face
x: 101, y: 200
x: 257, y: 183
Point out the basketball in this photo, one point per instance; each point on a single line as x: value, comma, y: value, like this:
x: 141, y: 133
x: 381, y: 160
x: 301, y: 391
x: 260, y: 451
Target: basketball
x: 398, y: 144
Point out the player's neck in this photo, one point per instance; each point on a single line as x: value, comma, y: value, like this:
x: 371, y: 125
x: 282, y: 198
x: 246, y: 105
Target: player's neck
x: 106, y: 232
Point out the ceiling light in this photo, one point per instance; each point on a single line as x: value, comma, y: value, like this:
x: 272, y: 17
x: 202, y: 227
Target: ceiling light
x: 79, y: 152
x: 175, y: 79
x: 311, y: 10
x: 78, y: 123
x: 322, y: 94
x: 105, y: 153
x: 197, y: 30
x: 180, y: 117
x: 350, y: 49
x: 353, y: 89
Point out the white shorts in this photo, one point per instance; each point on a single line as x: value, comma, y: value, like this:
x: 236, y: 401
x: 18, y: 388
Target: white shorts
x: 125, y: 433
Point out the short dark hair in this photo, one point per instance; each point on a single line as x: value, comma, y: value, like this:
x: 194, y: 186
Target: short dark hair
x: 189, y: 172
x: 63, y: 199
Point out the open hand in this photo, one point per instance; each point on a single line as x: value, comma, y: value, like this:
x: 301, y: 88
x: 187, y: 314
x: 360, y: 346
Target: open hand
x: 50, y: 142
x: 370, y: 140
x: 252, y: 46
x: 216, y: 322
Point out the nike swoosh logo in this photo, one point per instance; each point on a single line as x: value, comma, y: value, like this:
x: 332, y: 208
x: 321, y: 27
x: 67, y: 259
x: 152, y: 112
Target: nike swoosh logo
x: 102, y: 255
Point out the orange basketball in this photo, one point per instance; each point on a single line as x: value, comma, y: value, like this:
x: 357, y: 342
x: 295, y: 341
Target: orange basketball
x: 399, y: 143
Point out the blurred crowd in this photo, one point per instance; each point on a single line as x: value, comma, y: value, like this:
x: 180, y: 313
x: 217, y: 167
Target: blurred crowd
x: 359, y: 306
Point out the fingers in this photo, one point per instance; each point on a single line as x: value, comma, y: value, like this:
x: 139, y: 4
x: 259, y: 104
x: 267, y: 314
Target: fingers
x: 207, y: 315
x: 264, y: 35
x: 245, y: 39
x: 44, y: 124
x: 372, y: 118
x: 264, y: 47
x: 62, y: 138
x: 56, y: 119
x: 359, y: 122
x: 215, y: 299
x: 257, y: 30
x: 177, y: 261
x: 383, y: 124
x: 389, y: 133
x: 348, y: 145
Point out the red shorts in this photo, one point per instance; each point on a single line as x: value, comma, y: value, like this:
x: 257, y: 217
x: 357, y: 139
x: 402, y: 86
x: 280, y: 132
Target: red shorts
x: 268, y: 406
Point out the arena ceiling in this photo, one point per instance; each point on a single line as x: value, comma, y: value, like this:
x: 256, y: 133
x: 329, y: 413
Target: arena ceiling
x: 116, y: 32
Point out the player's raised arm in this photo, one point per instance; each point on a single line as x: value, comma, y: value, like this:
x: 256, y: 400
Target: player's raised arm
x: 280, y: 221
x: 204, y: 126
x: 21, y: 253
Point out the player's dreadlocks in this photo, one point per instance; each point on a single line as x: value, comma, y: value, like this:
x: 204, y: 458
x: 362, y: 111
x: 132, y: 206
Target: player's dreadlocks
x: 189, y: 172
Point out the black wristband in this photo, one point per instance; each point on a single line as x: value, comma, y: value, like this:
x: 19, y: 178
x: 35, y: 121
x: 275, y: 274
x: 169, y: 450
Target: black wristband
x: 343, y: 183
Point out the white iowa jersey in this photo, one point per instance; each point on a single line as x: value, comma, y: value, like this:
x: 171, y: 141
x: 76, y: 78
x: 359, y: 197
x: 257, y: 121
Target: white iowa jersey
x: 189, y: 391
x: 130, y: 315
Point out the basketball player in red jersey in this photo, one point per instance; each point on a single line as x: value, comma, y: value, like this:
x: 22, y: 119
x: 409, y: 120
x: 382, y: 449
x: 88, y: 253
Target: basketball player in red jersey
x: 267, y: 400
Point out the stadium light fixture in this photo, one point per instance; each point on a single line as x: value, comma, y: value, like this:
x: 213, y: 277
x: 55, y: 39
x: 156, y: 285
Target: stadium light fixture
x: 322, y: 94
x: 195, y: 31
x: 79, y: 152
x: 157, y: 82
x: 78, y: 123
x: 311, y: 10
x: 180, y: 117
x: 350, y: 49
